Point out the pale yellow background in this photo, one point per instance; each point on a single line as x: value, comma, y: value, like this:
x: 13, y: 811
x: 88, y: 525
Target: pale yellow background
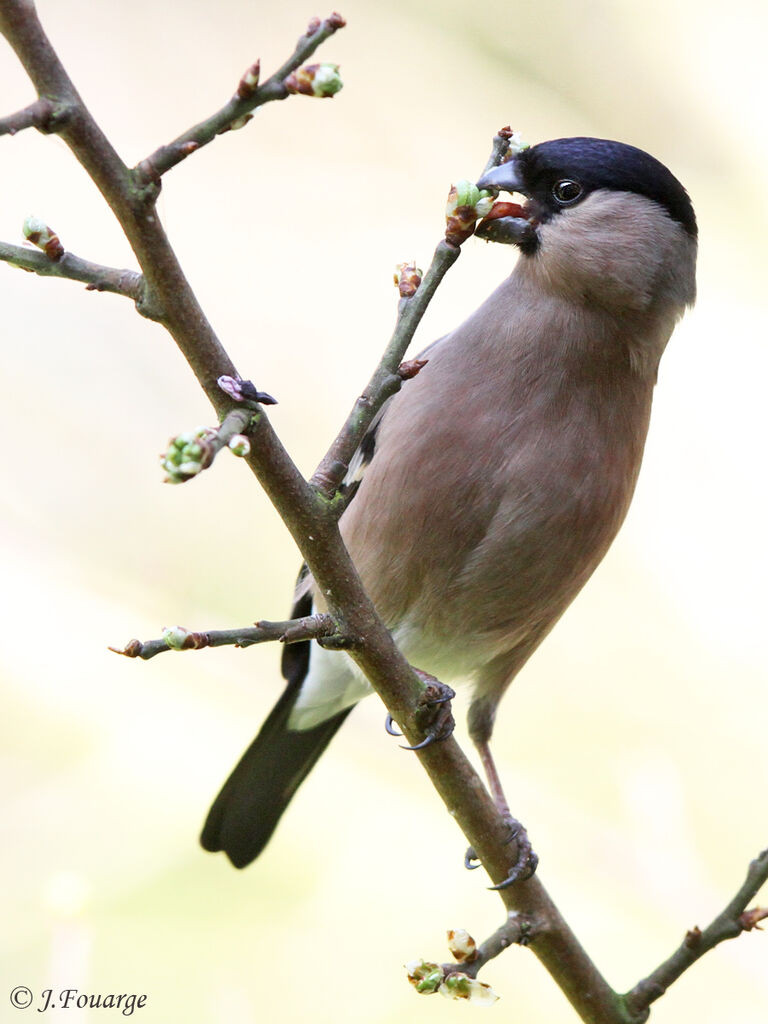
x: 633, y: 745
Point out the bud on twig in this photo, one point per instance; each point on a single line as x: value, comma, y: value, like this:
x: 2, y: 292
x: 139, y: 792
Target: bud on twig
x: 239, y: 445
x: 187, y: 455
x: 462, y: 946
x: 249, y: 82
x: 425, y: 977
x: 693, y: 937
x: 131, y: 650
x: 237, y: 124
x: 750, y: 918
x: 407, y: 278
x: 515, y: 142
x: 38, y: 233
x: 460, y: 986
x: 466, y: 203
x: 319, y: 80
x: 180, y: 639
x: 175, y: 636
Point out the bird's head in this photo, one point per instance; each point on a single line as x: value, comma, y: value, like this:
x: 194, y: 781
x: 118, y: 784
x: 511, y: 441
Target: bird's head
x: 602, y: 220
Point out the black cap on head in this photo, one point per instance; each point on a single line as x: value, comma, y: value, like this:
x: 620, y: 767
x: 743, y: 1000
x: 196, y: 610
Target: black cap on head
x: 596, y: 164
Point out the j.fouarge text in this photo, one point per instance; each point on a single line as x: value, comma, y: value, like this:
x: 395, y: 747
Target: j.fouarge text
x: 69, y: 998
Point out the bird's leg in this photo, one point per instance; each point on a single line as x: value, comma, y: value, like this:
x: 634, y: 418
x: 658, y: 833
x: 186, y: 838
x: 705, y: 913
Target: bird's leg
x: 527, y: 860
x: 494, y: 782
x: 435, y: 713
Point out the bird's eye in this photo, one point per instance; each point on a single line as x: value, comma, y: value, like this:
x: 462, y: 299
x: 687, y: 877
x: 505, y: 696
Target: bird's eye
x: 566, y: 191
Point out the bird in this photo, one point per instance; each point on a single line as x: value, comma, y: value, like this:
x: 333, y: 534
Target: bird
x: 489, y: 488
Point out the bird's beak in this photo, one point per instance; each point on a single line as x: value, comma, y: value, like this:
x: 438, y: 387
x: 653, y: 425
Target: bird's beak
x: 505, y: 177
x: 508, y: 223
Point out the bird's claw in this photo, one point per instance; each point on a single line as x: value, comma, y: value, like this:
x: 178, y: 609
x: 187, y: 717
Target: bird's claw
x: 527, y: 859
x: 525, y: 865
x: 389, y: 725
x: 436, y: 708
x: 435, y: 712
x: 471, y: 856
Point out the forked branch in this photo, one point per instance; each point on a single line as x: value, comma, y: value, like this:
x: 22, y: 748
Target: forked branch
x: 239, y: 109
x: 732, y: 922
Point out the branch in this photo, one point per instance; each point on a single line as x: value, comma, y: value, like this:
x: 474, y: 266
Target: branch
x: 734, y: 920
x: 416, y: 294
x: 96, y: 277
x: 385, y: 381
x: 167, y: 289
x: 44, y: 115
x: 176, y: 638
x: 237, y: 111
x: 457, y: 979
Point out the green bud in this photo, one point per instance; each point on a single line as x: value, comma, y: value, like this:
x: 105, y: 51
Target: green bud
x: 425, y: 977
x: 327, y: 80
x: 40, y: 234
x: 175, y: 636
x: 239, y: 445
x: 315, y: 80
x: 461, y: 986
x: 467, y: 193
x: 517, y: 144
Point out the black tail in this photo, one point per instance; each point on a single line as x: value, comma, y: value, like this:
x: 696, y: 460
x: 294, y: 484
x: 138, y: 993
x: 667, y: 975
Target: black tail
x: 246, y: 812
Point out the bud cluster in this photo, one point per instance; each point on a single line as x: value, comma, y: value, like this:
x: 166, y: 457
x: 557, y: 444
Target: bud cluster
x: 466, y: 204
x: 188, y: 454
x: 428, y: 978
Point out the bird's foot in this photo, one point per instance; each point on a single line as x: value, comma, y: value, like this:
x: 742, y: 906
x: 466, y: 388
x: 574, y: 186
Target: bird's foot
x: 527, y: 859
x: 434, y: 713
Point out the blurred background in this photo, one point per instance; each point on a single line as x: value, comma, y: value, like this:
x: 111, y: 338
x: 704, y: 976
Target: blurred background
x: 633, y: 745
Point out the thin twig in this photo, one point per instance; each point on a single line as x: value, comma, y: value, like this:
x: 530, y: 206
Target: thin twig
x: 500, y: 148
x: 385, y: 381
x: 239, y: 107
x: 518, y: 929
x: 292, y: 631
x: 729, y: 924
x: 43, y: 114
x: 93, y: 275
